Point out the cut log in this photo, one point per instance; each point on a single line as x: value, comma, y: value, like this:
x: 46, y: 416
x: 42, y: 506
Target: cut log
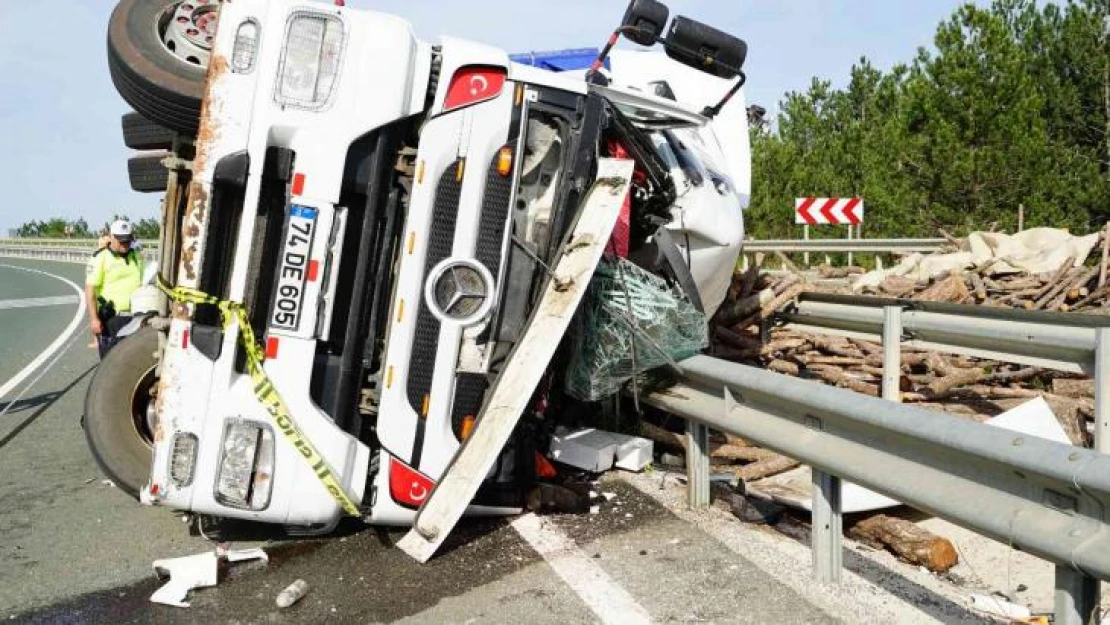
x: 1073, y: 388
x: 767, y: 311
x: 783, y: 366
x: 766, y: 468
x: 907, y: 540
x: 897, y: 286
x: 735, y: 311
x: 747, y: 284
x: 950, y: 289
x: 1068, y: 411
x: 838, y: 377
x: 783, y: 345
x: 729, y: 451
x: 839, y: 361
x: 980, y: 288
x: 837, y: 347
x: 738, y: 340
x: 789, y: 266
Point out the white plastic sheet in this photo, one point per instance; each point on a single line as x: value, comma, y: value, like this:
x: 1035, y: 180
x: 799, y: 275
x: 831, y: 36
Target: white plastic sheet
x: 1034, y: 251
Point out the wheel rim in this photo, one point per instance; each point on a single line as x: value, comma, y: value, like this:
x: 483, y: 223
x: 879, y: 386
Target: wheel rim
x: 142, y: 408
x: 188, y: 29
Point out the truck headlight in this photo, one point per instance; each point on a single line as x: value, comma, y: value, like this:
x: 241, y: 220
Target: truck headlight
x: 245, y: 479
x: 310, y: 60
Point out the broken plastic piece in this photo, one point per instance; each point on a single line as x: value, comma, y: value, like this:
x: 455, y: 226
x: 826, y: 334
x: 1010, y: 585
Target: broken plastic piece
x: 996, y: 606
x: 185, y: 574
x: 292, y: 594
x: 196, y: 571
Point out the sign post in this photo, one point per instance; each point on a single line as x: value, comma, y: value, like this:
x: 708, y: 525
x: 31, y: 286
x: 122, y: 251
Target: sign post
x: 813, y: 211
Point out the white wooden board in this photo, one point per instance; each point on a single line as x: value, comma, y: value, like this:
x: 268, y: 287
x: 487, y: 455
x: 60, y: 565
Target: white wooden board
x: 513, y: 389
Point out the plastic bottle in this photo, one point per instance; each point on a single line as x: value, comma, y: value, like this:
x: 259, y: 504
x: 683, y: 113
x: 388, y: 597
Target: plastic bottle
x: 292, y: 593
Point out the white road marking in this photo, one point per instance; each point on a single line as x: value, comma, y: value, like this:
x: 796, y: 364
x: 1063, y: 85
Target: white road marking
x: 35, y: 302
x: 57, y: 344
x: 38, y: 377
x: 607, y: 599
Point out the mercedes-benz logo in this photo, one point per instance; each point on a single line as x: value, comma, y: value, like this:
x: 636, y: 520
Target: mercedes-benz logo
x: 460, y: 290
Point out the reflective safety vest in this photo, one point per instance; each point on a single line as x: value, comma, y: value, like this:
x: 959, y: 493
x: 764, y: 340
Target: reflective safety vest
x: 115, y: 277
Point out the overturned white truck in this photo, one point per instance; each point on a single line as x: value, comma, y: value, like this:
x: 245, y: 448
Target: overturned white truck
x: 373, y: 217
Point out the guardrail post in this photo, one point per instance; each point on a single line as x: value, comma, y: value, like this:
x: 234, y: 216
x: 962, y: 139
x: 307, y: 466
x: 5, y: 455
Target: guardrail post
x: 827, y: 528
x: 805, y: 235
x: 1102, y: 391
x: 697, y: 465
x: 892, y: 353
x: 1077, y: 595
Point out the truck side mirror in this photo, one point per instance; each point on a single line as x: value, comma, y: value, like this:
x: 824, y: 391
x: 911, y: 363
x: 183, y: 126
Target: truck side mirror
x: 705, y: 48
x: 644, y: 21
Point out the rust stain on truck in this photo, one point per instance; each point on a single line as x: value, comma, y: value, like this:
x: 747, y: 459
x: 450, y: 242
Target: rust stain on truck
x: 196, y: 211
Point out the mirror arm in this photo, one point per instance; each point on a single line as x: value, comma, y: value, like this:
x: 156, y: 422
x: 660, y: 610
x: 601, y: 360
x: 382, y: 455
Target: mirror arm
x: 604, y: 53
x: 712, y: 111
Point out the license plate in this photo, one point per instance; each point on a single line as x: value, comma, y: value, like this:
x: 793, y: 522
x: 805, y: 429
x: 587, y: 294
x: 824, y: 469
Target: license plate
x: 289, y: 299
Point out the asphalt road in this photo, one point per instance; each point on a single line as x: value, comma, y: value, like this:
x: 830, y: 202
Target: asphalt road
x: 74, y: 549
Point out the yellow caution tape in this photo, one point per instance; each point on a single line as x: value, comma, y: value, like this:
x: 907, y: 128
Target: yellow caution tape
x: 264, y: 389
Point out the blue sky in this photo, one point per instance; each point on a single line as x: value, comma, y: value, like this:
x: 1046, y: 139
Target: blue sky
x: 61, y: 153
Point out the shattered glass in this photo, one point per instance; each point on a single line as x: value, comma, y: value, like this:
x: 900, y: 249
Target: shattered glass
x: 630, y: 321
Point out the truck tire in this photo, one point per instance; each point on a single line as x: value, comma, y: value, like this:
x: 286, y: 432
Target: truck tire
x: 147, y: 173
x: 139, y: 133
x: 158, y: 84
x: 116, y: 424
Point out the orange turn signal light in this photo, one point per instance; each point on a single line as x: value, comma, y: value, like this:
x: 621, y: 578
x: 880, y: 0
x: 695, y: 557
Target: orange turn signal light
x: 505, y: 161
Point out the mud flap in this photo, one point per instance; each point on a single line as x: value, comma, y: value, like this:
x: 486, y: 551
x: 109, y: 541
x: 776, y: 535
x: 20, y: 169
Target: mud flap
x: 513, y: 389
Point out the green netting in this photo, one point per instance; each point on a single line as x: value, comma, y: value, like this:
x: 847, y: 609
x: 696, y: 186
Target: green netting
x: 630, y: 321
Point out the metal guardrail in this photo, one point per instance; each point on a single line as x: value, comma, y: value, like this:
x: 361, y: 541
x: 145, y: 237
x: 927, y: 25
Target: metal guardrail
x: 44, y: 242
x: 866, y: 246
x: 65, y: 253
x: 1046, y: 498
x: 1060, y: 341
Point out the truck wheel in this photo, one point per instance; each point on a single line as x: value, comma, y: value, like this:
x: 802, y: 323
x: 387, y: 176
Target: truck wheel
x: 147, y: 173
x: 157, y: 56
x: 139, y: 133
x: 117, y: 418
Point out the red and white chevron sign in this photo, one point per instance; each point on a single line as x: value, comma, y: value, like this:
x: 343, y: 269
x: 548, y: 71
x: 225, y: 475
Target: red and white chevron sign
x: 828, y: 210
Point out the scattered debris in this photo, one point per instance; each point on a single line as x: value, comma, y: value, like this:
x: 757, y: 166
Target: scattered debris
x: 794, y: 489
x: 292, y: 594
x: 754, y: 510
x: 195, y: 571
x: 909, y: 541
x: 597, y: 450
x: 185, y: 573
x: 998, y: 607
x: 547, y: 498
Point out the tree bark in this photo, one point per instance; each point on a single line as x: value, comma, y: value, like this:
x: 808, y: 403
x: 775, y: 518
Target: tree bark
x: 909, y: 541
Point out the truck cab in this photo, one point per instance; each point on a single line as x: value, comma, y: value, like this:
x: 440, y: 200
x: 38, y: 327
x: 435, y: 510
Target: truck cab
x: 373, y: 217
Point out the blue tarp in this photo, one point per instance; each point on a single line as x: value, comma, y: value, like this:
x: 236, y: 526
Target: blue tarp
x: 559, y: 60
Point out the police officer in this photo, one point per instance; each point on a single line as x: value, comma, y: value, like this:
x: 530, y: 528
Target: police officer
x: 111, y: 277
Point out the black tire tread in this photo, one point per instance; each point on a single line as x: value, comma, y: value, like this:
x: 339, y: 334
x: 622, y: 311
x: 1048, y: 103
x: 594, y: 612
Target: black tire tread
x: 147, y: 173
x: 109, y: 428
x: 139, y: 133
x: 159, y: 86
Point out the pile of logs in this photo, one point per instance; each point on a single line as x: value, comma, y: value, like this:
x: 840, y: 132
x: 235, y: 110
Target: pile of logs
x: 1067, y: 289
x: 971, y: 387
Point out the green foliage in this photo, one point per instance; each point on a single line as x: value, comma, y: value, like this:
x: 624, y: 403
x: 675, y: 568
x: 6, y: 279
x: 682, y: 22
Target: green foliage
x: 58, y: 228
x: 1010, y: 109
